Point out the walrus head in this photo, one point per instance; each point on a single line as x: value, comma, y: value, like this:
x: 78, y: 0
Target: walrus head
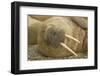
x: 55, y: 36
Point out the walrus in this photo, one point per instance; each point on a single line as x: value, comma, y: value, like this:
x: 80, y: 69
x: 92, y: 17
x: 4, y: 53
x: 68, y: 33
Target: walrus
x: 33, y: 26
x: 57, y: 38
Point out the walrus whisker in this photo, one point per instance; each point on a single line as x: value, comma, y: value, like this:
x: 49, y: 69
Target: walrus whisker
x: 68, y: 36
x: 70, y: 50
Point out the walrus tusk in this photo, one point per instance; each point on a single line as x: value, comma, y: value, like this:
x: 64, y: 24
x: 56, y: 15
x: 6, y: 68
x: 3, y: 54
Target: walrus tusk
x: 68, y: 36
x: 70, y: 50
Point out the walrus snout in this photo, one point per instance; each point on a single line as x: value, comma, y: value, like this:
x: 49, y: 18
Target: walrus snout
x: 54, y: 35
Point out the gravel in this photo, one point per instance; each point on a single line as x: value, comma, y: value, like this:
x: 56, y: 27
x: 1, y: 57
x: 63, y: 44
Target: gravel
x: 33, y: 54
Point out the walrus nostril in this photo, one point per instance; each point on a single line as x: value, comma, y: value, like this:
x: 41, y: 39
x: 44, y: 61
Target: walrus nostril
x: 54, y: 36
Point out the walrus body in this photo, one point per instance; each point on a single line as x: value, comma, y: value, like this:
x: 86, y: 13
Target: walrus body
x: 52, y: 33
x: 33, y: 28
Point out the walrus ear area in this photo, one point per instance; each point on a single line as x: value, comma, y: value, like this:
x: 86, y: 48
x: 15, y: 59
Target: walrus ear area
x: 54, y: 36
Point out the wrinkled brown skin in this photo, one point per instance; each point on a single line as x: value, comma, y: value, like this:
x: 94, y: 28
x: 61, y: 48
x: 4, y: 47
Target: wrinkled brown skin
x: 33, y: 28
x: 49, y: 46
x: 41, y: 18
x: 81, y: 21
x: 46, y: 46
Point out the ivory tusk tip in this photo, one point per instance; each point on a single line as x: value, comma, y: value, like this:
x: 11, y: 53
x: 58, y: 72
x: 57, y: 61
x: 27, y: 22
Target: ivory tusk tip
x: 70, y: 50
x: 68, y: 36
